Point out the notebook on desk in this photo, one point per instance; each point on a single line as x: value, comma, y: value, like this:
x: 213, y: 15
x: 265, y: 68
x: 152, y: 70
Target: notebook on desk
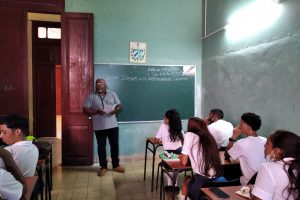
x: 169, y: 156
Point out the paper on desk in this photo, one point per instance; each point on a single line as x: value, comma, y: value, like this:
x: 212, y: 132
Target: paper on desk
x: 244, y: 192
x: 173, y: 157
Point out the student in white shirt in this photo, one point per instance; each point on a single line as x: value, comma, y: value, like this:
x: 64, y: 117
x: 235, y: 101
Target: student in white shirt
x: 170, y: 134
x: 11, y: 180
x: 13, y: 131
x: 279, y: 178
x: 250, y: 150
x: 201, y: 149
x: 220, y: 129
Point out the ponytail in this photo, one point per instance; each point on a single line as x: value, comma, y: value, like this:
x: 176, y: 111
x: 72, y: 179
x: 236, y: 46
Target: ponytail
x: 289, y: 144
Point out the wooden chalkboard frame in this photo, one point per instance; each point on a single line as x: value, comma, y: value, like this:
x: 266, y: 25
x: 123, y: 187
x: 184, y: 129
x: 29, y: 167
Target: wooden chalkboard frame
x: 167, y: 87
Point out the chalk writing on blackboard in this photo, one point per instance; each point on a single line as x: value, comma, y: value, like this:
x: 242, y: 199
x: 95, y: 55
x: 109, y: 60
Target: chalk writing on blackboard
x: 147, y: 91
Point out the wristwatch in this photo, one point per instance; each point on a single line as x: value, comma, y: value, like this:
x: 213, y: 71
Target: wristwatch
x: 231, y: 140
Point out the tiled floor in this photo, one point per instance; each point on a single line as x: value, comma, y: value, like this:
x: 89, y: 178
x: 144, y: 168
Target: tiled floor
x: 83, y: 183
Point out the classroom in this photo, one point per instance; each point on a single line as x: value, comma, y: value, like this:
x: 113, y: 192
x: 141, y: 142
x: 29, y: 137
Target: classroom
x: 246, y: 59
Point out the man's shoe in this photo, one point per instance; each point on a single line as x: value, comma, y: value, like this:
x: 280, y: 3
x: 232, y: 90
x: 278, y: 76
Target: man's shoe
x: 102, y: 172
x: 119, y: 169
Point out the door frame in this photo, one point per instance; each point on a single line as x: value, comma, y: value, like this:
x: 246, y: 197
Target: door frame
x: 34, y: 16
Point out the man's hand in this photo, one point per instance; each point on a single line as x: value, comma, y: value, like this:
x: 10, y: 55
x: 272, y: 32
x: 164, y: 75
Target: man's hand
x: 89, y: 112
x: 206, y: 120
x: 209, y: 119
x: 114, y: 111
x: 236, y: 132
x: 100, y: 112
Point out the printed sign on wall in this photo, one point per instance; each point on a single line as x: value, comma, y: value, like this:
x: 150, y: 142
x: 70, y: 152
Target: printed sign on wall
x: 137, y: 52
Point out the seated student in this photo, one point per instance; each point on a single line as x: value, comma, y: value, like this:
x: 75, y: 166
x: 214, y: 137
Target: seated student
x: 170, y: 134
x: 250, y: 150
x: 220, y: 129
x: 201, y: 149
x: 13, y: 130
x: 11, y: 180
x: 279, y: 178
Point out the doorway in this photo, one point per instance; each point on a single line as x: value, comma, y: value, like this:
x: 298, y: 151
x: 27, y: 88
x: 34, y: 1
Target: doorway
x: 46, y: 62
x: 76, y: 72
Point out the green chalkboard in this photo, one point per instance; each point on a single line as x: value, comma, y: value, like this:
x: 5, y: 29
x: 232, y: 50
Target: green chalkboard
x: 147, y: 91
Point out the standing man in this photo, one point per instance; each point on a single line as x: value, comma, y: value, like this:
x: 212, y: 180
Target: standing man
x: 13, y: 131
x: 220, y: 129
x: 250, y: 150
x: 103, y: 104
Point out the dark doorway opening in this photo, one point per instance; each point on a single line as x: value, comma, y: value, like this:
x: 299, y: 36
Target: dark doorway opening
x: 46, y: 70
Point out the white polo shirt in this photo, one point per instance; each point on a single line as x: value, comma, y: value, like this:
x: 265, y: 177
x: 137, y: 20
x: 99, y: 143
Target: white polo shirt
x: 192, y: 149
x: 10, y: 188
x: 164, y: 134
x: 250, y: 152
x: 271, y: 181
x: 221, y: 130
x: 26, y: 155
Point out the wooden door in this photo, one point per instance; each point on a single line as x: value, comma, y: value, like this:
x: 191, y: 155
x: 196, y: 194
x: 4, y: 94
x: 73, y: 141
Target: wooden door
x: 77, y: 83
x: 13, y: 63
x: 45, y: 56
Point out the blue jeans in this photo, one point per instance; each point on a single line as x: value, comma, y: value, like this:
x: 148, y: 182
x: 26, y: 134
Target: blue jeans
x: 113, y: 138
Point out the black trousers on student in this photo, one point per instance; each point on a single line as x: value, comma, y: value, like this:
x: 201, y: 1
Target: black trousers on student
x: 113, y: 137
x: 194, y: 186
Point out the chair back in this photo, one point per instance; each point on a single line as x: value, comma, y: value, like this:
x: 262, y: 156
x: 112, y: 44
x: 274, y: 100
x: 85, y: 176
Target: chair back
x: 45, y: 149
x: 232, y: 171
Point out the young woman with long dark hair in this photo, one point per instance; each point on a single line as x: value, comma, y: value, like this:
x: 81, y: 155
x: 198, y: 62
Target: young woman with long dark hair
x: 171, y: 136
x: 201, y: 149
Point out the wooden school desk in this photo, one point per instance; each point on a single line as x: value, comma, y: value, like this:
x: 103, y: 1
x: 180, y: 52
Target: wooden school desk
x: 176, y: 167
x: 230, y: 190
x: 172, y: 169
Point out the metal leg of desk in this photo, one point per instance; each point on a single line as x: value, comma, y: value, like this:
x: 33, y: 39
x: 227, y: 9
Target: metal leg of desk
x: 159, y: 166
x: 174, y: 178
x: 153, y: 162
x: 161, y: 188
x: 145, y: 165
x: 153, y: 150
